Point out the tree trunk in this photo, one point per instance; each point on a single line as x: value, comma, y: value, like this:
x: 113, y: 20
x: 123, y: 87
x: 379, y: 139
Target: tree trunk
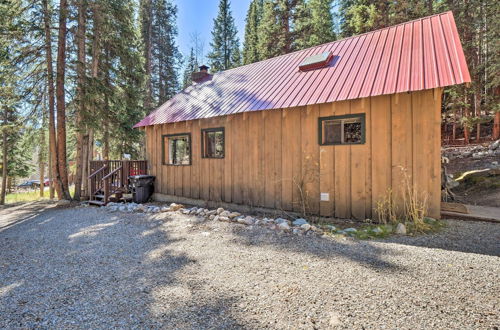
x: 82, y: 136
x: 55, y: 177
x: 41, y: 158
x: 496, y: 126
x: 4, y: 162
x: 61, y: 102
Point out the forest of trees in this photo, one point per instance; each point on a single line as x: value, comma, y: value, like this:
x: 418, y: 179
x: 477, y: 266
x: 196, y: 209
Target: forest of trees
x: 75, y: 76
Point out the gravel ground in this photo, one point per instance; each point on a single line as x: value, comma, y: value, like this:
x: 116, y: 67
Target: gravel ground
x: 88, y: 268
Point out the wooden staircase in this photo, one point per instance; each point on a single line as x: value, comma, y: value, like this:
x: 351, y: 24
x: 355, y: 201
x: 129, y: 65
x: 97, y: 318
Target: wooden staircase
x: 109, y: 180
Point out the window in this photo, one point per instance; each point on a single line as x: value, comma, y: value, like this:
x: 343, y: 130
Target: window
x: 177, y: 149
x: 212, y: 142
x: 347, y: 129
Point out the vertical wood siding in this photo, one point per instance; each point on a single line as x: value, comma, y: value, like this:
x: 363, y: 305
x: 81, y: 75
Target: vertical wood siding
x: 270, y: 154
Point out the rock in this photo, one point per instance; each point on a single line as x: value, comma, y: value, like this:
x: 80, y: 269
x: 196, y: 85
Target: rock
x: 175, y: 207
x: 316, y: 230
x: 216, y: 217
x: 284, y: 226
x: 495, y: 145
x: 297, y: 231
x: 225, y: 214
x: 247, y: 220
x: 331, y: 227
x: 299, y: 222
x: 280, y: 220
x: 400, y: 229
x: 494, y: 163
x: 225, y: 219
x: 234, y: 214
x: 156, y: 210
x: 350, y: 230
x: 306, y: 227
x: 185, y: 211
x: 211, y: 212
x: 122, y: 208
x: 165, y: 209
x: 63, y: 202
x: 259, y: 222
x: 220, y: 210
x: 211, y: 217
x: 377, y: 230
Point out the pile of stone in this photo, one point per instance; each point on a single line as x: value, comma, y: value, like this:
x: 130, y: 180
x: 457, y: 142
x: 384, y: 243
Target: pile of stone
x: 134, y: 207
x: 476, y: 151
x: 298, y: 226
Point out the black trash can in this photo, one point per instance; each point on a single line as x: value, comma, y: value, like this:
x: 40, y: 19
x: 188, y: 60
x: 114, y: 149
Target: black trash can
x: 142, y: 187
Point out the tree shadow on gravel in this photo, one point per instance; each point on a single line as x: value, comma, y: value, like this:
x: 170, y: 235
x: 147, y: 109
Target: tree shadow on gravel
x: 70, y: 267
x: 361, y: 252
x: 461, y: 236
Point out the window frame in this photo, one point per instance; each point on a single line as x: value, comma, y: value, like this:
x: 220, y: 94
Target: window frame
x: 362, y: 116
x: 213, y: 129
x: 163, y: 153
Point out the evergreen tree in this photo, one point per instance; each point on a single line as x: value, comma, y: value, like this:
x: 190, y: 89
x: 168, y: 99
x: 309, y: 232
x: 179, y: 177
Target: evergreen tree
x: 250, y: 47
x: 313, y: 23
x: 191, y: 66
x: 270, y: 41
x: 225, y: 45
x: 166, y: 58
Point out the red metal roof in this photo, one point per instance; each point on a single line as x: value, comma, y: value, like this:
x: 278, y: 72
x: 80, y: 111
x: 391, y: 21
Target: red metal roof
x: 421, y: 54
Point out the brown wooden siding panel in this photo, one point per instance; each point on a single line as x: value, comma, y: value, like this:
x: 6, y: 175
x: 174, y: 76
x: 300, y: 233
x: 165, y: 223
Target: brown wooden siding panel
x: 268, y: 156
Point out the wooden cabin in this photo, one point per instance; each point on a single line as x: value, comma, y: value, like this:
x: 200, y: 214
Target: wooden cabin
x: 329, y: 128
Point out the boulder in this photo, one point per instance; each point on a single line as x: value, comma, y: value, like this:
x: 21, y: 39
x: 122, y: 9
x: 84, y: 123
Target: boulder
x: 225, y: 219
x: 300, y: 222
x: 377, y: 230
x: 211, y: 217
x: 400, y: 229
x: 220, y: 210
x: 234, y: 214
x: 297, y: 231
x: 211, y: 212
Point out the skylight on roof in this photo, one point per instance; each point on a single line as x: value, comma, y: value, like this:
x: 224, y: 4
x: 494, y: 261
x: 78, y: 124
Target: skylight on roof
x: 316, y: 61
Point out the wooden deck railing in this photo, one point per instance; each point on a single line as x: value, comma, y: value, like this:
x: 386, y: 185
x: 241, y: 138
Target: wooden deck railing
x: 111, y: 176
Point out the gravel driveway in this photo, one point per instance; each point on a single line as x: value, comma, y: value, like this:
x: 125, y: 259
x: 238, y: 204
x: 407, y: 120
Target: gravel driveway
x: 88, y: 268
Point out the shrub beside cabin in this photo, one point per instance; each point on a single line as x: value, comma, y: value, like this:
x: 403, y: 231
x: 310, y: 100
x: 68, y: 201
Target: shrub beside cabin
x: 332, y: 127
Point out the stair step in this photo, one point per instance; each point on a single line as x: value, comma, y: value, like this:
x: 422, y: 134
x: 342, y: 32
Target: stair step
x: 96, y: 202
x: 99, y: 196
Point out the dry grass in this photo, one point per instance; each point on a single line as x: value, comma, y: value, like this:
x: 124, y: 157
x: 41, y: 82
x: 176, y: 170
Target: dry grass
x: 414, y: 206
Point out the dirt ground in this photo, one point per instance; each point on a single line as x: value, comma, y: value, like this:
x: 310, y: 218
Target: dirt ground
x: 84, y: 267
x: 484, y: 193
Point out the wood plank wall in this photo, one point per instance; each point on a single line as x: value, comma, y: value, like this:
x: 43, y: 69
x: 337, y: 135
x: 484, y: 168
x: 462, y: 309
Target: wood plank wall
x: 273, y: 159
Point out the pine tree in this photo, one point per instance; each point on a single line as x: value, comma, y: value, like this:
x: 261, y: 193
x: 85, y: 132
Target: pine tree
x: 254, y: 17
x: 225, y: 45
x: 166, y: 57
x: 314, y: 23
x: 191, y: 66
x: 270, y: 41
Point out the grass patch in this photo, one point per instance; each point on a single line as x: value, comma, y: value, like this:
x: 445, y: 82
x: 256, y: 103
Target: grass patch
x: 31, y: 196
x: 25, y: 196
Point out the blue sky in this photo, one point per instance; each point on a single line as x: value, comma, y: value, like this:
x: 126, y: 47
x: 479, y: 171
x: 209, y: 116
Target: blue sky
x: 197, y: 16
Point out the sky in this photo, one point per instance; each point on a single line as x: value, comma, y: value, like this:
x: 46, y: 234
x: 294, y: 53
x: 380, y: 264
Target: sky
x: 197, y: 16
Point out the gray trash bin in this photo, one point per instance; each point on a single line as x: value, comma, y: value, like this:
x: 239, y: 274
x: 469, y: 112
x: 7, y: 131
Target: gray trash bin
x: 142, y: 187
